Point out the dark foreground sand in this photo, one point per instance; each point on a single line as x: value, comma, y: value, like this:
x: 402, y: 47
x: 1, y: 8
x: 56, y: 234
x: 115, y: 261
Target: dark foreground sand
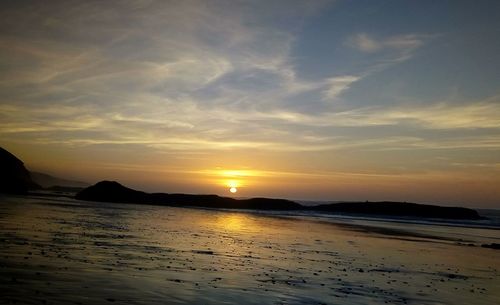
x: 59, y: 251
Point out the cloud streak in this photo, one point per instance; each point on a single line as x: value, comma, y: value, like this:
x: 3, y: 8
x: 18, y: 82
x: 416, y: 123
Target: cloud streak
x: 337, y: 85
x: 365, y: 43
x: 191, y: 128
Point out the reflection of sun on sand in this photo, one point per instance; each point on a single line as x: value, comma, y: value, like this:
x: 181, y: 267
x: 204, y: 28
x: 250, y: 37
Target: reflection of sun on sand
x: 234, y: 222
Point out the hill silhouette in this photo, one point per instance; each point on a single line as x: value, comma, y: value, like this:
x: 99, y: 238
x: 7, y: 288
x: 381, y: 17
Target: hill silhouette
x: 14, y: 177
x: 400, y: 209
x: 111, y: 191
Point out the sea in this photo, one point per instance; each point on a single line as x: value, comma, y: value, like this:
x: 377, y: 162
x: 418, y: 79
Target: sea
x: 57, y: 250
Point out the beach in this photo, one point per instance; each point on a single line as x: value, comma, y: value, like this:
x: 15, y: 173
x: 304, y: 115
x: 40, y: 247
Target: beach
x: 64, y: 251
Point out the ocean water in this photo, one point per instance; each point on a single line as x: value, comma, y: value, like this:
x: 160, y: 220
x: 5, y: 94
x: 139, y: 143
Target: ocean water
x: 64, y: 251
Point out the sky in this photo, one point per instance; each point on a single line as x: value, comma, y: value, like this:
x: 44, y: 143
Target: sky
x: 319, y: 100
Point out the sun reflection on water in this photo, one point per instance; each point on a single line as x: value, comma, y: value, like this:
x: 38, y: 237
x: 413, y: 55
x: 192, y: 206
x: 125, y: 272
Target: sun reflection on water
x: 235, y: 222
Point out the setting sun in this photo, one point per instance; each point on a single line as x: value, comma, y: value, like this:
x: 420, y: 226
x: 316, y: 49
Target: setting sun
x: 232, y: 186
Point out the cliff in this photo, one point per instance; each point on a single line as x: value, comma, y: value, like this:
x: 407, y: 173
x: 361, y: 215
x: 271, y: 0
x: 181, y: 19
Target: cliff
x: 14, y: 177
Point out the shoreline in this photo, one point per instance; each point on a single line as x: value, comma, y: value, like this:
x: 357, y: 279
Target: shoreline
x: 326, y: 216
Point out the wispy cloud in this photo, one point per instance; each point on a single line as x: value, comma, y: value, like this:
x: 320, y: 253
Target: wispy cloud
x: 193, y: 128
x: 366, y: 43
x: 472, y: 115
x: 174, y: 52
x: 438, y: 116
x: 337, y: 85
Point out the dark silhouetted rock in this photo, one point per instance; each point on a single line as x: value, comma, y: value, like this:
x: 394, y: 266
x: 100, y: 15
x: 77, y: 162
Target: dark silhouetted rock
x: 14, y: 177
x: 404, y: 209
x: 491, y: 246
x: 110, y: 191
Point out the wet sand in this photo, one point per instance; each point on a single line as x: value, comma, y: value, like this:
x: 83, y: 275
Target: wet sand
x: 61, y: 251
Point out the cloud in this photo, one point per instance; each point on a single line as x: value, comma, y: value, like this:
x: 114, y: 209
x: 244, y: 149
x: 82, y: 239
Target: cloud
x: 337, y: 85
x: 399, y: 48
x: 482, y: 114
x: 191, y: 128
x: 438, y: 116
x: 120, y: 54
x: 184, y: 75
x: 364, y: 43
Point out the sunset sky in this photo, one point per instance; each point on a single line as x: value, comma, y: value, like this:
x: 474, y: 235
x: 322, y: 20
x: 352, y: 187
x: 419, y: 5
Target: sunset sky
x: 321, y: 100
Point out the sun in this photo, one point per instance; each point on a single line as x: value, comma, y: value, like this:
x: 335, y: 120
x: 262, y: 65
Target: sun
x: 233, y: 185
